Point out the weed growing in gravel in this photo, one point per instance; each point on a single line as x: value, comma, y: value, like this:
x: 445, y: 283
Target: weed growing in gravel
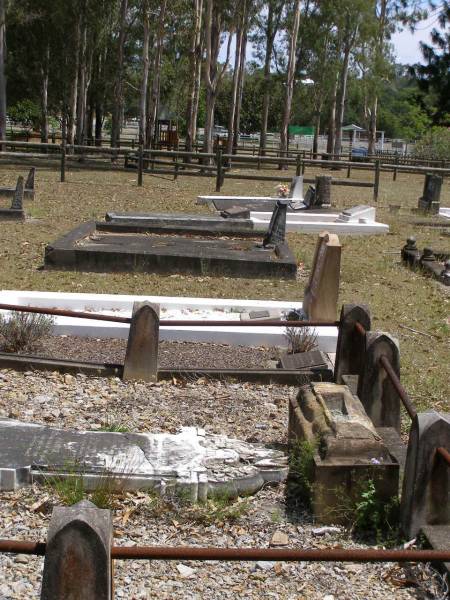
x: 300, y: 339
x: 114, y: 426
x: 222, y: 508
x: 69, y: 487
x: 301, y: 472
x: 375, y: 518
x: 23, y: 331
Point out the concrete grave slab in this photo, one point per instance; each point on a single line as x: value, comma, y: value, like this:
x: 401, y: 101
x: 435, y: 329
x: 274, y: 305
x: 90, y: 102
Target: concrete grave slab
x: 87, y: 248
x: 201, y: 464
x: 171, y: 308
x: 175, y: 222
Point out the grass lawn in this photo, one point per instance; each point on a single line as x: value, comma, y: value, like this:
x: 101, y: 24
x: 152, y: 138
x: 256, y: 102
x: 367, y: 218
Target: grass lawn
x: 371, y: 269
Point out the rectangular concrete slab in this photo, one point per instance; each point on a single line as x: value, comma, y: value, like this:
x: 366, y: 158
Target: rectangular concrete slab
x: 87, y: 249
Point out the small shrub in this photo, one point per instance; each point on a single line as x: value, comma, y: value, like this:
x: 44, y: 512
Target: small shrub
x: 434, y: 145
x: 23, y: 331
x: 374, y: 518
x: 300, y: 339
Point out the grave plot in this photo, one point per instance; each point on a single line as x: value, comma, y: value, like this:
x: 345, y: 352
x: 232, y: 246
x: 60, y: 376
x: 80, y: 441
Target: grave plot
x: 435, y: 263
x: 107, y: 248
x: 15, y: 212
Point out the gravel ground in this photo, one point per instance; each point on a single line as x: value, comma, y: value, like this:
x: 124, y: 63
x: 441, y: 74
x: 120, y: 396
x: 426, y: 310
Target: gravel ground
x: 171, y: 354
x: 250, y: 412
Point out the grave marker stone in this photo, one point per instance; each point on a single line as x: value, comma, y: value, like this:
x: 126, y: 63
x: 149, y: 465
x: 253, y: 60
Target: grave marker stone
x: 141, y: 358
x: 323, y: 191
x: 276, y: 232
x: 17, y: 201
x: 321, y: 293
x: 426, y: 483
x: 78, y: 554
x: 430, y: 200
x: 296, y: 188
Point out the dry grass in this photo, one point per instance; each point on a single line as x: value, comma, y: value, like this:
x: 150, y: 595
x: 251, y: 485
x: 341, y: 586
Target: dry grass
x: 371, y: 268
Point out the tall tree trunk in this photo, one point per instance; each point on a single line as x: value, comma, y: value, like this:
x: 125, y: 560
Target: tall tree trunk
x: 73, y: 95
x: 154, y: 98
x: 117, y: 111
x: 235, y: 84
x: 341, y: 104
x: 44, y: 95
x: 195, y: 56
x: 372, y: 133
x: 317, y: 119
x: 284, y: 134
x: 81, y: 101
x: 271, y: 31
x: 98, y: 123
x: 332, y: 121
x: 237, y: 112
x: 144, y: 80
x: 2, y: 72
x: 212, y: 74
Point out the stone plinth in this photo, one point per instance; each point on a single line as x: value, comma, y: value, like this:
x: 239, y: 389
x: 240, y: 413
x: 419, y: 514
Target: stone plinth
x: 349, y: 451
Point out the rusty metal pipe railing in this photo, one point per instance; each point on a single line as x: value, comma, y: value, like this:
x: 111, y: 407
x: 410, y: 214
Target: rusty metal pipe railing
x: 246, y: 554
x: 58, y: 312
x: 403, y: 394
x: 444, y: 454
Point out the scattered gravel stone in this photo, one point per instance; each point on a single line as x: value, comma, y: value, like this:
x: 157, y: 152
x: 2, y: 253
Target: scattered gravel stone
x: 140, y: 518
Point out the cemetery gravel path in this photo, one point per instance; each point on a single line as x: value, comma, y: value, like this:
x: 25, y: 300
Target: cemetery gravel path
x: 251, y: 412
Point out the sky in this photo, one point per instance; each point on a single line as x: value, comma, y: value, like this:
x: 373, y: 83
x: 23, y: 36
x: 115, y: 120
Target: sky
x: 406, y: 44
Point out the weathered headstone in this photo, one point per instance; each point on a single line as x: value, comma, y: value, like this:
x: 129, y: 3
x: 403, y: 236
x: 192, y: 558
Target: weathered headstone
x: 321, y: 293
x: 425, y: 497
x: 141, y: 358
x: 310, y: 197
x: 410, y: 253
x: 296, y: 188
x: 351, y: 345
x: 276, y: 231
x: 323, y: 191
x: 29, y: 184
x: 78, y: 554
x: 17, y: 201
x: 375, y: 390
x: 431, y: 198
x: 351, y: 450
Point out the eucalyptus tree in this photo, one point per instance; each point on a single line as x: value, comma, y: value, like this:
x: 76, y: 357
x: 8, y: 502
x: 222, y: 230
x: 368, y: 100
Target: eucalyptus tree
x: 195, y: 64
x: 290, y: 76
x: 219, y: 20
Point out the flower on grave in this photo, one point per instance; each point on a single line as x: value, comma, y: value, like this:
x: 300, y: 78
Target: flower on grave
x: 282, y: 190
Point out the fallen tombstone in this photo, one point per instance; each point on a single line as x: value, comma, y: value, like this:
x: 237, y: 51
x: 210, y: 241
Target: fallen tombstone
x: 15, y: 212
x: 107, y: 247
x: 28, y: 191
x: 192, y: 461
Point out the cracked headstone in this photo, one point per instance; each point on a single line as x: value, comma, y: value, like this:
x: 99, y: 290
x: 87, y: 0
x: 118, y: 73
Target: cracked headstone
x: 276, y: 231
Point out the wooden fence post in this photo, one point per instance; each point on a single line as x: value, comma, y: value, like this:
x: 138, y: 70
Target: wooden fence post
x: 140, y: 164
x: 63, y: 161
x: 298, y: 165
x: 219, y: 178
x: 394, y: 177
x: 376, y: 183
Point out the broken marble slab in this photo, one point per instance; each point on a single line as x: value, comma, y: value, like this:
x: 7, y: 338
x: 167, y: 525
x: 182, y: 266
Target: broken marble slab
x: 197, y: 463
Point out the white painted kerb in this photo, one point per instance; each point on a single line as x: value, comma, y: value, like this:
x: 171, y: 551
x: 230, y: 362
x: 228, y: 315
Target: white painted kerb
x: 170, y: 308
